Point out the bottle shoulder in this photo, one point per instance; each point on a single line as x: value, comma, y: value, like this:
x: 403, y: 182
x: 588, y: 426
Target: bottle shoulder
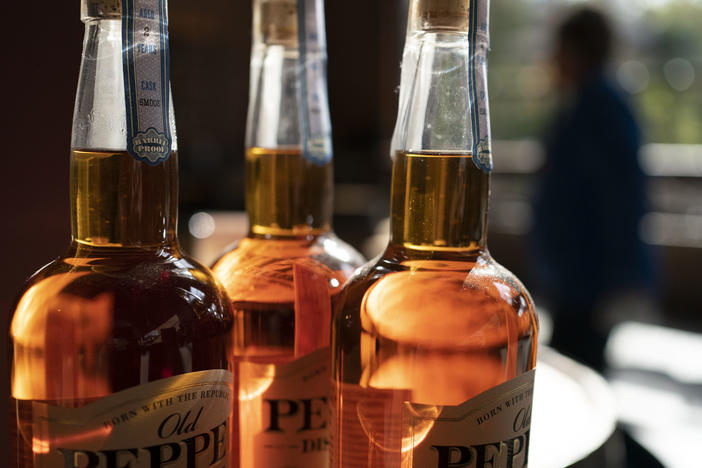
x: 260, y: 269
x: 458, y: 300
x: 131, y: 292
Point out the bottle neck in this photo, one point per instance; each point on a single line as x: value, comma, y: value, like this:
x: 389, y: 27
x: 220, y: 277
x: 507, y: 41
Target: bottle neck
x: 288, y: 189
x: 286, y: 194
x: 439, y: 202
x: 440, y: 194
x: 116, y: 199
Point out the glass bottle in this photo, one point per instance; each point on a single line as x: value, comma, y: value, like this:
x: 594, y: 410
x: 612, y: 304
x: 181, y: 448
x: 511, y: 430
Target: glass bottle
x: 285, y: 275
x: 121, y: 348
x: 434, y: 343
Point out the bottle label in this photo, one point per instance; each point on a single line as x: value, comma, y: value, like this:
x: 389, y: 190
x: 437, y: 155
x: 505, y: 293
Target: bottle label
x: 479, y: 43
x: 146, y: 79
x: 284, y: 413
x: 381, y: 427
x: 178, y: 422
x: 315, y: 122
x: 367, y: 430
x: 491, y: 429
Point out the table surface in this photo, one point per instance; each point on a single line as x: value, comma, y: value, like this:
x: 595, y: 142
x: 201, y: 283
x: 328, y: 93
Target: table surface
x: 574, y: 411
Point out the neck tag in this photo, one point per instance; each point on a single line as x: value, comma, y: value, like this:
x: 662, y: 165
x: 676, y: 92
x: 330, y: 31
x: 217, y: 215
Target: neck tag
x: 146, y: 79
x: 315, y: 121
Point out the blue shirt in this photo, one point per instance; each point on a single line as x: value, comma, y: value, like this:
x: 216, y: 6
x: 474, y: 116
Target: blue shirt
x: 590, y: 200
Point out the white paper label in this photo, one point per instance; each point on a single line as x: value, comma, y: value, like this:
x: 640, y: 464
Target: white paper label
x: 177, y: 422
x: 490, y: 430
x: 284, y: 413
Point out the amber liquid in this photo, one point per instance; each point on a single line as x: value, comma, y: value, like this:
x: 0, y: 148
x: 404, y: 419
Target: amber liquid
x: 121, y: 308
x: 286, y: 193
x: 434, y: 321
x: 118, y: 200
x: 283, y: 280
x: 275, y: 325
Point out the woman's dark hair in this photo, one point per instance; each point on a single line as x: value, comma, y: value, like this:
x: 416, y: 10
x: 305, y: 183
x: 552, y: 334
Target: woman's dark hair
x: 587, y: 37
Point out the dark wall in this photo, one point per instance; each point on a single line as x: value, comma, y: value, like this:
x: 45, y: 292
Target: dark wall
x: 210, y: 71
x: 210, y: 67
x: 41, y: 58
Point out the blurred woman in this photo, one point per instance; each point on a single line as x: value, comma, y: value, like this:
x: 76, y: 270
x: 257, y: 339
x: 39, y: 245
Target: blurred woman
x: 591, y: 194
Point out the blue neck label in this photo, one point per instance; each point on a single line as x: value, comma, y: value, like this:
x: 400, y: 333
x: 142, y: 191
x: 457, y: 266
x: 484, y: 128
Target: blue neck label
x: 146, y: 79
x: 315, y: 122
x: 479, y: 43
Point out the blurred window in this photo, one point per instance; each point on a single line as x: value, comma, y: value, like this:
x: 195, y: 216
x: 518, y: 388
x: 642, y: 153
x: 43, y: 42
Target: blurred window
x: 658, y: 63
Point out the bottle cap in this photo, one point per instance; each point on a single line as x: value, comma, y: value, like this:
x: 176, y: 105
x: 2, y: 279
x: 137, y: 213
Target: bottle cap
x: 100, y: 9
x: 443, y: 14
x: 278, y: 22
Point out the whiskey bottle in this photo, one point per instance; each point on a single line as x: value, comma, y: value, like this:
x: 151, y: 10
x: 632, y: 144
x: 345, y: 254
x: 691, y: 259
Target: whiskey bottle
x: 434, y: 343
x: 121, y: 348
x: 285, y: 275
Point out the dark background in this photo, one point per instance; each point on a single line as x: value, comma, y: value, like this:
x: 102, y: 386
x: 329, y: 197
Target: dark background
x: 210, y: 45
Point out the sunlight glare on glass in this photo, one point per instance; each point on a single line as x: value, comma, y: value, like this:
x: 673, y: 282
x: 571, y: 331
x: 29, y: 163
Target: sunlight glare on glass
x: 256, y: 379
x: 337, y: 250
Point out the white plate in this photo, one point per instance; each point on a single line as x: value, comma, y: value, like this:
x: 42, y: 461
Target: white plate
x: 573, y: 414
